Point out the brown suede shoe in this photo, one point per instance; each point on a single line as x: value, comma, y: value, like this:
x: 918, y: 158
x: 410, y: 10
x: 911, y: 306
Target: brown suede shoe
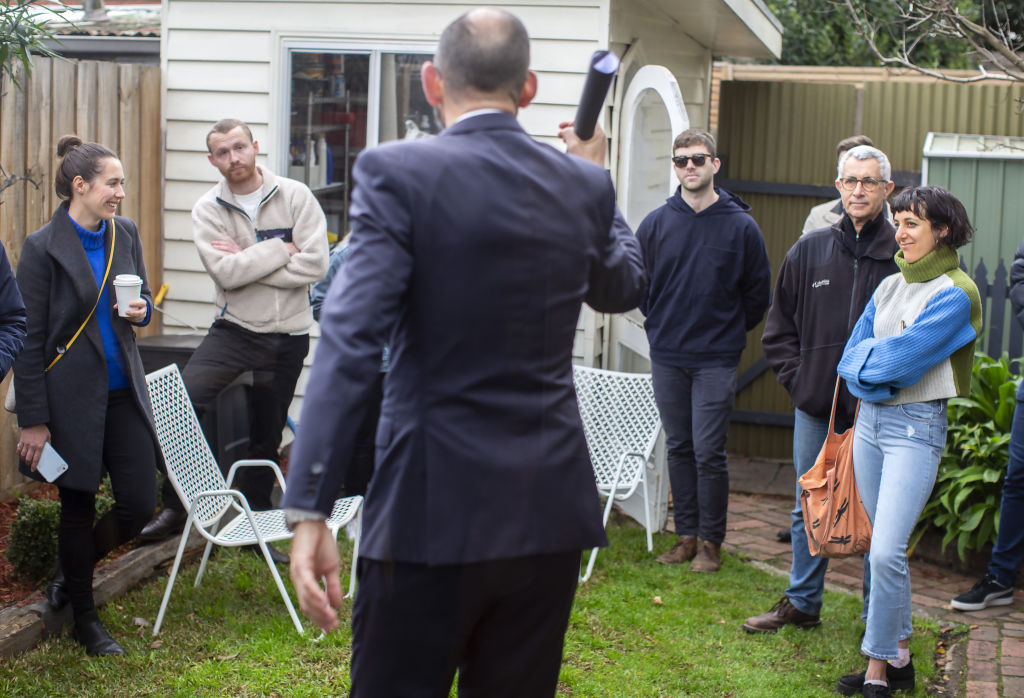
x: 684, y: 550
x: 782, y: 613
x: 709, y: 557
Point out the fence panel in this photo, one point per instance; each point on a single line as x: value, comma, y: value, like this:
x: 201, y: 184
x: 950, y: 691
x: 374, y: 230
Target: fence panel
x: 118, y: 106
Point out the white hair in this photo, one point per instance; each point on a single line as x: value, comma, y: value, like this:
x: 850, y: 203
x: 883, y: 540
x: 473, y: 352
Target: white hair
x: 866, y: 152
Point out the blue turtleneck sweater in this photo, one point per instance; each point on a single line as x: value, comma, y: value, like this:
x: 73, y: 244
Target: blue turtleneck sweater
x: 92, y: 241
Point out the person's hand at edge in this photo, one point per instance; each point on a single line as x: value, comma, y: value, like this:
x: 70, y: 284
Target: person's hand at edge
x: 593, y: 149
x: 314, y: 557
x: 30, y: 445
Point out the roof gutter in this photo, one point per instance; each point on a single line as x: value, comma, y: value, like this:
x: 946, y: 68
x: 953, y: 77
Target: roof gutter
x: 105, y: 45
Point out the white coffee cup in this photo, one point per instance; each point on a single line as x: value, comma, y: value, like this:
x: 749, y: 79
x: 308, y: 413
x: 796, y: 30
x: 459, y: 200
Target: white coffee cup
x: 128, y: 287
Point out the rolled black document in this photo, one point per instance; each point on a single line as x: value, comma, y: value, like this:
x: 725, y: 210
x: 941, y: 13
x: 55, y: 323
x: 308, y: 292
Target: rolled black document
x: 603, y: 65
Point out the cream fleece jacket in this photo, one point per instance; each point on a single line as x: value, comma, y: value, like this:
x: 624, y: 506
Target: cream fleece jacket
x: 263, y: 288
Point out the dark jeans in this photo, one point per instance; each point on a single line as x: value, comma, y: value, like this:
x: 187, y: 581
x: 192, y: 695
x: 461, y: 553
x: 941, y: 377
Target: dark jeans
x: 1009, y: 550
x: 695, y: 405
x: 275, y: 360
x: 501, y: 623
x: 129, y: 456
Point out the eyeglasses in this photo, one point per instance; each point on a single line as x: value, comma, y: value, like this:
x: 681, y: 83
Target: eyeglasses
x: 698, y: 160
x: 869, y: 184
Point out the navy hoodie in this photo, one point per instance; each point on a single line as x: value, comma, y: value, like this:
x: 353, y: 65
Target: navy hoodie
x: 710, y: 281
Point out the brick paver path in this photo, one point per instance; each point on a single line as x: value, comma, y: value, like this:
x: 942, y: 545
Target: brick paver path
x: 995, y: 647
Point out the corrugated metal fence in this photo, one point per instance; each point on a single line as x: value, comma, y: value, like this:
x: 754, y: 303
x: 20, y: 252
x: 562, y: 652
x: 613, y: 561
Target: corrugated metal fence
x: 117, y: 105
x: 777, y: 143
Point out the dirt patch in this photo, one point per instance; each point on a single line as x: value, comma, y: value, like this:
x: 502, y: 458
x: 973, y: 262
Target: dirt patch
x: 950, y: 662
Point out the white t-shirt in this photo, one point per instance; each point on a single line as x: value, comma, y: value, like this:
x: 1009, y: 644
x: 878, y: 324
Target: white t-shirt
x: 250, y: 202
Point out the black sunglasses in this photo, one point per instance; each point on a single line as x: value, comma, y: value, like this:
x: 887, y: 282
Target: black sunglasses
x: 698, y: 160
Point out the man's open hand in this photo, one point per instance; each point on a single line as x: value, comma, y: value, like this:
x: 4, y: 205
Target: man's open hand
x: 315, y: 557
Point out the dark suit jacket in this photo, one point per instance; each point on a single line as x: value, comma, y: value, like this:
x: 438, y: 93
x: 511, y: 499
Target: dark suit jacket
x: 471, y: 255
x: 59, y: 288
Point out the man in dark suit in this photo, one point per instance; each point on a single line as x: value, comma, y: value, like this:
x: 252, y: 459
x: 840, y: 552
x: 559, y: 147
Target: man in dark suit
x: 471, y: 255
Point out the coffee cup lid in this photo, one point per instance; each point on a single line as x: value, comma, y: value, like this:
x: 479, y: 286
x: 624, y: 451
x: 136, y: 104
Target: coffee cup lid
x: 127, y: 280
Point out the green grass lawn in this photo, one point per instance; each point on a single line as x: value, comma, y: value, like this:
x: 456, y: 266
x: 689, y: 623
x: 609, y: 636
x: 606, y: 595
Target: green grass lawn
x: 232, y: 637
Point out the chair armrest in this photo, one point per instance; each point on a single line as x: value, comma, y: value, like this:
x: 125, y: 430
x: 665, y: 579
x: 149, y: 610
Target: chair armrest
x: 255, y: 463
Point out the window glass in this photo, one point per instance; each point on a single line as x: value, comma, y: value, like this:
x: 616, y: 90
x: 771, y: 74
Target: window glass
x: 331, y: 96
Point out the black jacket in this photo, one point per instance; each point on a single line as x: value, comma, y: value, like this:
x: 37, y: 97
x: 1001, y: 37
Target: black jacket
x: 12, y: 316
x: 59, y: 288
x: 710, y: 279
x: 823, y: 285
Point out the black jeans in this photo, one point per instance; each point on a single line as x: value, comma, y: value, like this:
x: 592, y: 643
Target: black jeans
x: 129, y: 456
x: 275, y: 360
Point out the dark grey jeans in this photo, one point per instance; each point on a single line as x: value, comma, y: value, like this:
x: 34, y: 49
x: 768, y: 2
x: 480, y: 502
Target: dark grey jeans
x: 695, y: 405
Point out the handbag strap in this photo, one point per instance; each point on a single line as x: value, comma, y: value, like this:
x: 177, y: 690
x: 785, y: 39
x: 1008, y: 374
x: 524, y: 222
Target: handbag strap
x: 110, y: 259
x: 835, y: 404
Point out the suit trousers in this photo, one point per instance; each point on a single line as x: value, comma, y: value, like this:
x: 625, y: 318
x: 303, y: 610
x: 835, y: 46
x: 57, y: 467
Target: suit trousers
x: 500, y: 623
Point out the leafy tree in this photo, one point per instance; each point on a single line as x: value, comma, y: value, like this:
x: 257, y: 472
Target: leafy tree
x: 989, y: 33
x: 822, y: 32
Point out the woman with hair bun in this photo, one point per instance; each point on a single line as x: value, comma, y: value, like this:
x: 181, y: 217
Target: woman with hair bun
x: 79, y: 380
x: 911, y: 350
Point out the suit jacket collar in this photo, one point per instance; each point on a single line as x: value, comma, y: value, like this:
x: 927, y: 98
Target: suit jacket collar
x: 485, y: 122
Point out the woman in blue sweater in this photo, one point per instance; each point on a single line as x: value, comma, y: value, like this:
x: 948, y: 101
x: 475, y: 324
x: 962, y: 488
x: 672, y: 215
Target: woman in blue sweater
x: 911, y: 350
x: 79, y: 380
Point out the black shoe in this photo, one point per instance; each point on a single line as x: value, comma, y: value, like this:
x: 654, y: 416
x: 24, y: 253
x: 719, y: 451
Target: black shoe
x: 169, y: 522
x: 276, y: 555
x: 784, y: 536
x: 89, y: 632
x: 901, y: 679
x: 57, y: 590
x: 987, y: 592
x: 873, y: 690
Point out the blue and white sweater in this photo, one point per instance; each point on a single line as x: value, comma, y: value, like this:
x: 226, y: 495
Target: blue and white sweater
x: 915, y: 340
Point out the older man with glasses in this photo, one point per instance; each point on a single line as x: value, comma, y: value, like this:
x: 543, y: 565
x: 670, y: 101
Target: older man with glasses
x: 710, y: 279
x: 823, y: 285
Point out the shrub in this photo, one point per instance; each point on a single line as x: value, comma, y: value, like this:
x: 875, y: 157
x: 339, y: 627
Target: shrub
x: 964, y: 504
x: 32, y: 542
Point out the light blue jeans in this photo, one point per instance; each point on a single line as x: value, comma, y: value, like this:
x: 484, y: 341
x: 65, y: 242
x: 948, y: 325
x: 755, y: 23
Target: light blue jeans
x: 807, y: 573
x: 896, y: 454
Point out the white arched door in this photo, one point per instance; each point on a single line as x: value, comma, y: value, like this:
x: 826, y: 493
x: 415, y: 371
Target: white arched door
x: 652, y: 115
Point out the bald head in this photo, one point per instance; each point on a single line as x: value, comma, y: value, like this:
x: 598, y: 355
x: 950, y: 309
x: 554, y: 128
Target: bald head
x: 486, y: 51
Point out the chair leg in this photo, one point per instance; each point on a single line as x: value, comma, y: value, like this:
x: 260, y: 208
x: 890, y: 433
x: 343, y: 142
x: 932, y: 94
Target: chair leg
x: 593, y: 553
x: 355, y: 555
x: 174, y: 574
x: 280, y: 585
x: 647, y: 509
x: 202, y: 564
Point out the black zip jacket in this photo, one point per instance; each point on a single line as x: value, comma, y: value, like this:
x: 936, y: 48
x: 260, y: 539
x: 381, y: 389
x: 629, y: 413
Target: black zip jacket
x: 823, y: 285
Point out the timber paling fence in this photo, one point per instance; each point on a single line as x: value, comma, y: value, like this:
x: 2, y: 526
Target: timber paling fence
x: 117, y: 105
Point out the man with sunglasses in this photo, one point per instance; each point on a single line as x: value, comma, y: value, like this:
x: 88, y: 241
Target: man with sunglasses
x: 823, y: 285
x: 709, y: 286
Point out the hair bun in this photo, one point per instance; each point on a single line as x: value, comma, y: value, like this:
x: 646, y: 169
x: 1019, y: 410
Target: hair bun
x: 66, y: 144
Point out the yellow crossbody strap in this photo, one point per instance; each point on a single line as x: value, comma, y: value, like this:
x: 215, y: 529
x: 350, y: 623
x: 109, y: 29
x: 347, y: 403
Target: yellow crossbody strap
x: 110, y: 258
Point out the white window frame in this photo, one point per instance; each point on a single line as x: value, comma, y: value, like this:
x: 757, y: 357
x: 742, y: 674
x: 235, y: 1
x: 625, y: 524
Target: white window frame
x: 320, y: 44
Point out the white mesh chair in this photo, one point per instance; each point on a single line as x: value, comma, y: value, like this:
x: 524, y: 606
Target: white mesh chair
x: 218, y: 512
x: 621, y: 422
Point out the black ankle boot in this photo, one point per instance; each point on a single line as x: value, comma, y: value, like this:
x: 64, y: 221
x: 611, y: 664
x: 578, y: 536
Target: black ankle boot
x: 57, y: 590
x: 89, y: 632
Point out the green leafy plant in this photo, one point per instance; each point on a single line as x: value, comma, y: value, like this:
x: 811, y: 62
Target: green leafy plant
x: 24, y: 29
x: 964, y: 505
x: 32, y: 542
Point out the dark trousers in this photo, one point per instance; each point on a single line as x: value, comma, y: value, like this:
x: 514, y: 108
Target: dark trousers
x: 129, y: 456
x: 695, y: 406
x: 275, y: 360
x: 501, y: 623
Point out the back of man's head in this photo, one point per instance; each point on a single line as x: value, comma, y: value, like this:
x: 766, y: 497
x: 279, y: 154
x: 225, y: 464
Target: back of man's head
x: 851, y: 143
x: 866, y: 152
x: 486, y: 51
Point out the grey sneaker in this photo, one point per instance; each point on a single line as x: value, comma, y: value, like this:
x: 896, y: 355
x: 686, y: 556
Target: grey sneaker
x: 987, y: 592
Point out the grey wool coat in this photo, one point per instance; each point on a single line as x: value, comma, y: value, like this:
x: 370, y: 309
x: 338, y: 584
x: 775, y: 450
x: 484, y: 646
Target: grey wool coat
x: 59, y: 288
